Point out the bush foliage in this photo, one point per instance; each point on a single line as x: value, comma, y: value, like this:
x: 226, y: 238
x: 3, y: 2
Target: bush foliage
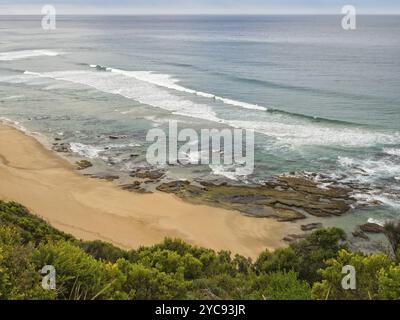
x: 309, y: 269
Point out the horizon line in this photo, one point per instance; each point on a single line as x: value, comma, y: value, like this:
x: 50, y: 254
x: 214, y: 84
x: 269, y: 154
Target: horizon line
x: 202, y: 14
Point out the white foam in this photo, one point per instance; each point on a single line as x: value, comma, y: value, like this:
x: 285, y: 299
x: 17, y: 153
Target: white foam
x: 150, y: 89
x: 15, y: 124
x: 240, y: 104
x: 24, y: 54
x: 13, y: 97
x: 392, y: 151
x: 193, y: 157
x: 167, y: 81
x: 232, y: 172
x: 132, y: 88
x: 379, y: 222
x: 372, y: 172
x: 299, y: 133
x: 84, y: 150
x: 382, y: 168
x: 122, y: 146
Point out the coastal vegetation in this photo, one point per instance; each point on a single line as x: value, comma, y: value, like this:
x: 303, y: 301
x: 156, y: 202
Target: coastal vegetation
x: 307, y: 269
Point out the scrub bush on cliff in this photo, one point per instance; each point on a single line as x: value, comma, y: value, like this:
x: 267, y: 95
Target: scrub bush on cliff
x: 377, y: 277
x: 79, y: 276
x: 305, y: 257
x: 280, y: 286
x: 144, y: 283
x: 19, y: 277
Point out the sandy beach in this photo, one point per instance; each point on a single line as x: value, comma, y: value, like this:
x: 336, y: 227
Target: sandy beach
x: 93, y: 209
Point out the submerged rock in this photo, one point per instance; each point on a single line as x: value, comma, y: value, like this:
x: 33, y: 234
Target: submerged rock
x: 83, y: 164
x: 360, y: 234
x: 311, y: 226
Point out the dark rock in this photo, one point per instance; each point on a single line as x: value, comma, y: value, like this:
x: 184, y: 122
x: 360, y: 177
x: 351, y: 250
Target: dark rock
x: 372, y: 228
x: 148, y: 174
x: 311, y: 226
x: 107, y: 177
x: 248, y: 200
x: 360, y: 234
x: 83, y: 164
x: 286, y: 198
x: 294, y: 237
x: 286, y: 215
x: 131, y: 186
x: 61, y: 148
x: 115, y: 137
x: 172, y: 187
x: 57, y: 139
x: 135, y: 187
x: 101, y: 68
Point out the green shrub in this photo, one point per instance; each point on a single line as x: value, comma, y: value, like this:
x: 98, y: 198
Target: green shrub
x: 177, y: 270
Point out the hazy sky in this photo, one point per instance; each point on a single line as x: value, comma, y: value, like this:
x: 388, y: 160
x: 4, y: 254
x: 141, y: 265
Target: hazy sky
x: 200, y: 6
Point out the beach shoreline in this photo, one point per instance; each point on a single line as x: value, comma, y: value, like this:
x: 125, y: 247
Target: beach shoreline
x: 91, y: 209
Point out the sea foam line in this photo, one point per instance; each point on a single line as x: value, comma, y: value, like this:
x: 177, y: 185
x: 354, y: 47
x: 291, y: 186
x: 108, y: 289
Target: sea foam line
x: 167, y: 81
x: 392, y: 151
x: 284, y: 131
x: 24, y: 54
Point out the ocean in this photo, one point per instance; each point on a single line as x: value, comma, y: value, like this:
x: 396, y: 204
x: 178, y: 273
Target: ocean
x: 320, y: 99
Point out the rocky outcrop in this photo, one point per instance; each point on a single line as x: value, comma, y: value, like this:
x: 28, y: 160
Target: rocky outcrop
x: 286, y: 198
x: 61, y: 147
x: 134, y: 187
x: 372, y: 228
x: 151, y: 174
x: 83, y: 164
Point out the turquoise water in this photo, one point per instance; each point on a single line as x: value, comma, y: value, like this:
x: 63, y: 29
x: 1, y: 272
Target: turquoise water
x: 319, y: 98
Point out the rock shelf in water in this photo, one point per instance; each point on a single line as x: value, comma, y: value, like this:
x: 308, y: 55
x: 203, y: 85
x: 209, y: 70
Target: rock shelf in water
x: 286, y: 198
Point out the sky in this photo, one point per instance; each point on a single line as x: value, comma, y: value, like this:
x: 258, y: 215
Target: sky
x: 200, y: 6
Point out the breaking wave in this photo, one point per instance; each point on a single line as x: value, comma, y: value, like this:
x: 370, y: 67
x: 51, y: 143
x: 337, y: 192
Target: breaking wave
x: 24, y: 54
x: 155, y: 90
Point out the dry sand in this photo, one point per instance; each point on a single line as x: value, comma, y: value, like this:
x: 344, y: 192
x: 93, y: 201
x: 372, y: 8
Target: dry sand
x: 92, y: 209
